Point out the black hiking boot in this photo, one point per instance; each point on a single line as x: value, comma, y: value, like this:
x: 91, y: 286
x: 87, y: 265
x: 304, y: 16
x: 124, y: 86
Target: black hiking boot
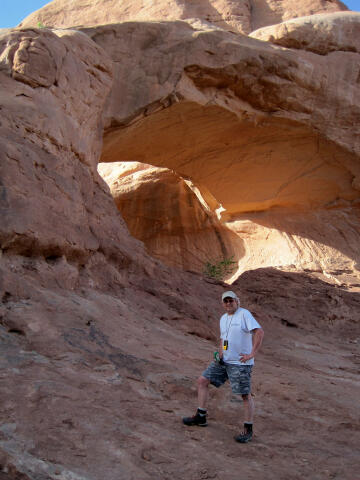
x: 246, y: 435
x: 198, y: 420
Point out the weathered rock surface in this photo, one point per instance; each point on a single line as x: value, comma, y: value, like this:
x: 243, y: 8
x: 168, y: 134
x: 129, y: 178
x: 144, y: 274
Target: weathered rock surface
x: 240, y: 16
x: 320, y: 34
x: 100, y: 344
x: 170, y: 216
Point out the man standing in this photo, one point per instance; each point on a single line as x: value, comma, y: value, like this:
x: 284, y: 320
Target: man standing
x: 240, y: 339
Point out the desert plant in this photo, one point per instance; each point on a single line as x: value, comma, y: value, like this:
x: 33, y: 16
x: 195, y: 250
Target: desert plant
x: 219, y: 268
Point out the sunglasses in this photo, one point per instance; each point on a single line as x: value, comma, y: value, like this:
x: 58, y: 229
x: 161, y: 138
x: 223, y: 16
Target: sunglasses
x: 228, y: 300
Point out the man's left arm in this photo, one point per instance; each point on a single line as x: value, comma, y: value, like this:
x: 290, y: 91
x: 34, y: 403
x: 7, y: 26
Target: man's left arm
x: 258, y: 335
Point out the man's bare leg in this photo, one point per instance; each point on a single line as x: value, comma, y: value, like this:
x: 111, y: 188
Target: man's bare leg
x: 203, y: 392
x: 249, y: 407
x: 200, y: 417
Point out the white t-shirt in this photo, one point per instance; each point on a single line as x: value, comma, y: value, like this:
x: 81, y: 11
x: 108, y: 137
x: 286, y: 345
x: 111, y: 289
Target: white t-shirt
x: 236, y: 329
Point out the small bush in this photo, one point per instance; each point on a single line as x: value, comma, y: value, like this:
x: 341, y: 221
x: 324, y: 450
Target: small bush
x: 220, y: 268
x: 40, y: 25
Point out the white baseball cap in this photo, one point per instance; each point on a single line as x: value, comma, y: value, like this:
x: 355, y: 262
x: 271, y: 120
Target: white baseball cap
x: 229, y: 294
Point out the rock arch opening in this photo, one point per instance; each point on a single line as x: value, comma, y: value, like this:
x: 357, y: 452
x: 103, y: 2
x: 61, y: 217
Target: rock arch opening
x: 266, y: 132
x: 288, y: 193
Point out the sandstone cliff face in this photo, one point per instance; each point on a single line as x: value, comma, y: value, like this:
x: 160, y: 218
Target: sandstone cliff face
x: 239, y: 16
x: 54, y: 89
x: 100, y: 343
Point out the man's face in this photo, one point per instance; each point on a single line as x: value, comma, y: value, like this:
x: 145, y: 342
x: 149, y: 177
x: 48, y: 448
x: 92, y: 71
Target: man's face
x: 230, y: 305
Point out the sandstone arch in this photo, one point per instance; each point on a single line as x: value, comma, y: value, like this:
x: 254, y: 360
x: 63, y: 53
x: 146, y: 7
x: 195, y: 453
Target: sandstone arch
x: 258, y: 131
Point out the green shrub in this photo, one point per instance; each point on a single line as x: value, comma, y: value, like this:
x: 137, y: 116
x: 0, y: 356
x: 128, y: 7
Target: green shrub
x: 220, y: 268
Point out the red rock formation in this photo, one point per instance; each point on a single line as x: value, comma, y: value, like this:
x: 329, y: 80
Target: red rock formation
x: 101, y: 344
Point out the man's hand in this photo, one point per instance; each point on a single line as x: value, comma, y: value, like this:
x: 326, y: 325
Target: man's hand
x: 244, y: 357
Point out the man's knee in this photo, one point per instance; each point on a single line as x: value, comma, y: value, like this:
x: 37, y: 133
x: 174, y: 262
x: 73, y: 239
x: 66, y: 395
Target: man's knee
x: 203, y: 382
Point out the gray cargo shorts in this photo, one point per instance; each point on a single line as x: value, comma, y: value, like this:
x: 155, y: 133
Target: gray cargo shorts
x: 238, y: 375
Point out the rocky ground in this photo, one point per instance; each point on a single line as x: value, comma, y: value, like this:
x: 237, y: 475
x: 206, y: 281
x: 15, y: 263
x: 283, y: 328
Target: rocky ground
x: 102, y: 394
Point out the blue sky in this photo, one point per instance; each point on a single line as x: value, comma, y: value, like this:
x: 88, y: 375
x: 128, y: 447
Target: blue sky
x: 13, y: 11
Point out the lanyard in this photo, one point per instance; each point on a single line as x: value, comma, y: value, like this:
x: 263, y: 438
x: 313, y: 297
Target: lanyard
x: 228, y: 325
